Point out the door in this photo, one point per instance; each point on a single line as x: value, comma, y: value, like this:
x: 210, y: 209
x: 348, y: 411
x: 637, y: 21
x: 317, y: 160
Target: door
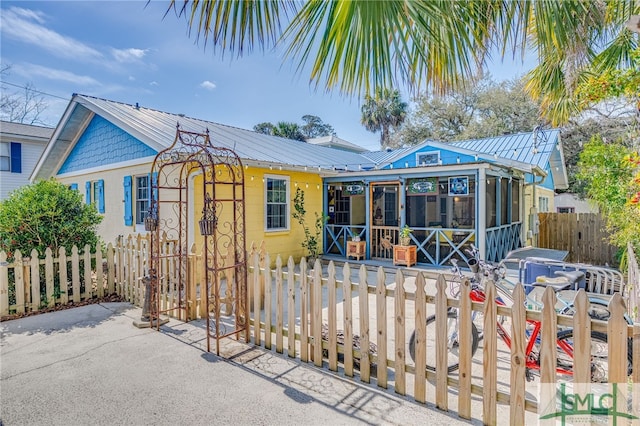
x: 385, y: 218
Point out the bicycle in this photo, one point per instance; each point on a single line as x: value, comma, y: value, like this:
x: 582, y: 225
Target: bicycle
x: 564, y: 338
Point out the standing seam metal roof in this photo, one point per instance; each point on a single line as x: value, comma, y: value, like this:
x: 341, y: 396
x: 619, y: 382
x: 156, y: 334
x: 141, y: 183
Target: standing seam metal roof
x: 158, y: 129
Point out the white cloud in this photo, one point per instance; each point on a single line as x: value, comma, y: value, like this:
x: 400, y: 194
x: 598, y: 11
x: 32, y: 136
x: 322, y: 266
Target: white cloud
x: 32, y: 70
x: 132, y: 78
x: 154, y: 83
x: 27, y: 26
x: 128, y: 55
x: 208, y: 85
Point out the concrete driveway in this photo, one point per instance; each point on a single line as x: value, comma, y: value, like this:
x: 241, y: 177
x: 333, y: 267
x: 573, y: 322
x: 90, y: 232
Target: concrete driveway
x: 90, y: 366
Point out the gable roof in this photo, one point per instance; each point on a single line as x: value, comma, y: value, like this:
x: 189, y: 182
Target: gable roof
x: 540, y: 148
x: 157, y: 129
x: 530, y: 152
x: 29, y: 131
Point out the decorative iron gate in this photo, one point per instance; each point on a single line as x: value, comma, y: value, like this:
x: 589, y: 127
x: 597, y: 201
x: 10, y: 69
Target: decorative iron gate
x: 192, y: 172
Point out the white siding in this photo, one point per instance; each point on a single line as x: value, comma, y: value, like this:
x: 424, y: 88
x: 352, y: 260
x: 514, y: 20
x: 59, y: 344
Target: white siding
x: 31, y: 152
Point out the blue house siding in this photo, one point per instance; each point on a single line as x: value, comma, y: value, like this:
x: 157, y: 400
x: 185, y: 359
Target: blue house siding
x: 446, y: 158
x: 103, y: 143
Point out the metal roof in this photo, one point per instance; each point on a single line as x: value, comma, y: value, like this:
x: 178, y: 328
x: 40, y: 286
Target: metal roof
x: 157, y: 129
x: 8, y: 128
x: 534, y: 148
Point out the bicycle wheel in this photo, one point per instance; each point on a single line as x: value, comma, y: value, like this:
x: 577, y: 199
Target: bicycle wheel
x: 453, y: 344
x: 598, y: 309
x: 599, y: 356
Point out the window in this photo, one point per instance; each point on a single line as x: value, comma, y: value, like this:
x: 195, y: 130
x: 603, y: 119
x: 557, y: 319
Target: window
x: 143, y: 198
x: 10, y: 157
x: 277, y: 201
x: 566, y: 209
x: 428, y: 158
x: 543, y: 204
x: 94, y: 194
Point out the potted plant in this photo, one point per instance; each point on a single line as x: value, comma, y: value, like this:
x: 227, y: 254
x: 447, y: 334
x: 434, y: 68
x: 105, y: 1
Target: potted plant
x: 405, y: 235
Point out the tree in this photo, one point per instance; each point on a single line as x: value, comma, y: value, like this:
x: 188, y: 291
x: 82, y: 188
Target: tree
x: 46, y: 214
x: 483, y: 109
x: 264, y: 128
x: 314, y: 127
x: 611, y: 175
x: 26, y: 107
x: 288, y: 130
x: 383, y: 112
x: 358, y: 45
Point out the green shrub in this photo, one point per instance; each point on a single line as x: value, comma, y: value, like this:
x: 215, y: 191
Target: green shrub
x: 46, y: 214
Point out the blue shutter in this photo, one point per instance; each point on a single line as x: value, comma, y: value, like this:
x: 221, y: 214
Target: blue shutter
x: 128, y: 216
x: 87, y: 192
x: 100, y: 196
x: 16, y: 157
x: 74, y: 186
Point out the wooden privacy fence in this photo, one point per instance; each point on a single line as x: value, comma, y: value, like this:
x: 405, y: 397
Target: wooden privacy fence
x: 583, y: 235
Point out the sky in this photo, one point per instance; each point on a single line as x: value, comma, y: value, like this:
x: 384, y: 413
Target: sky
x: 128, y: 51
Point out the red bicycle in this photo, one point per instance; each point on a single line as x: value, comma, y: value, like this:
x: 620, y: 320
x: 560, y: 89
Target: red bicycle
x: 564, y: 338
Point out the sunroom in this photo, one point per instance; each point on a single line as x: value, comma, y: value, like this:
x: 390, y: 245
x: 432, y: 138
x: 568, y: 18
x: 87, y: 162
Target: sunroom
x: 449, y: 197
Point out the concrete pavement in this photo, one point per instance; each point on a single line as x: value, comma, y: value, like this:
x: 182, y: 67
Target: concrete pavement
x: 90, y: 366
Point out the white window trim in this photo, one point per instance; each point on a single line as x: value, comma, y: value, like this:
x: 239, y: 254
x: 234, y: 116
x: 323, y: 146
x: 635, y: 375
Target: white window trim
x: 288, y: 182
x: 419, y: 154
x: 139, y: 227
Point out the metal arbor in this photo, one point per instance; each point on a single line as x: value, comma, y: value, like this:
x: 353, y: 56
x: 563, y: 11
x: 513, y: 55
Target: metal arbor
x: 193, y: 175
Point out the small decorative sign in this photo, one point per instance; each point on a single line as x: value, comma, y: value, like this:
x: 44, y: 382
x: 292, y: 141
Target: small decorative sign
x: 353, y: 188
x: 422, y: 186
x: 459, y: 185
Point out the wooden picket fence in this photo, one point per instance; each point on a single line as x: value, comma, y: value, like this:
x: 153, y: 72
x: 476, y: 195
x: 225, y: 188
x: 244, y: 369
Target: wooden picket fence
x: 357, y: 327
x: 583, y: 235
x: 386, y: 316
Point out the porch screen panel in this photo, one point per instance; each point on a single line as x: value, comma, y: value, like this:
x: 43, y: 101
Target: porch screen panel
x: 490, y: 208
x: 417, y: 211
x: 515, y: 200
x: 504, y: 206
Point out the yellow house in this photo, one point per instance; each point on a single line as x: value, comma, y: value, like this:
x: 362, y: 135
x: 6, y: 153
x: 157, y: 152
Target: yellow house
x: 106, y: 150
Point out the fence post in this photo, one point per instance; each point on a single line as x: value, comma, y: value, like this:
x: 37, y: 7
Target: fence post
x: 291, y: 307
x: 19, y: 270
x: 35, y: 280
x: 279, y: 305
x: 88, y: 282
x: 75, y: 274
x: 99, y: 271
x: 64, y: 277
x: 110, y: 269
x: 332, y: 338
x: 48, y: 273
x: 347, y: 307
x: 363, y: 299
x: 399, y: 334
x: 381, y: 317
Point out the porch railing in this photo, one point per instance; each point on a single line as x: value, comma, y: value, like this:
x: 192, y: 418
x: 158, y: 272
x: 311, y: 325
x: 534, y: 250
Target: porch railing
x: 501, y: 240
x: 336, y: 237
